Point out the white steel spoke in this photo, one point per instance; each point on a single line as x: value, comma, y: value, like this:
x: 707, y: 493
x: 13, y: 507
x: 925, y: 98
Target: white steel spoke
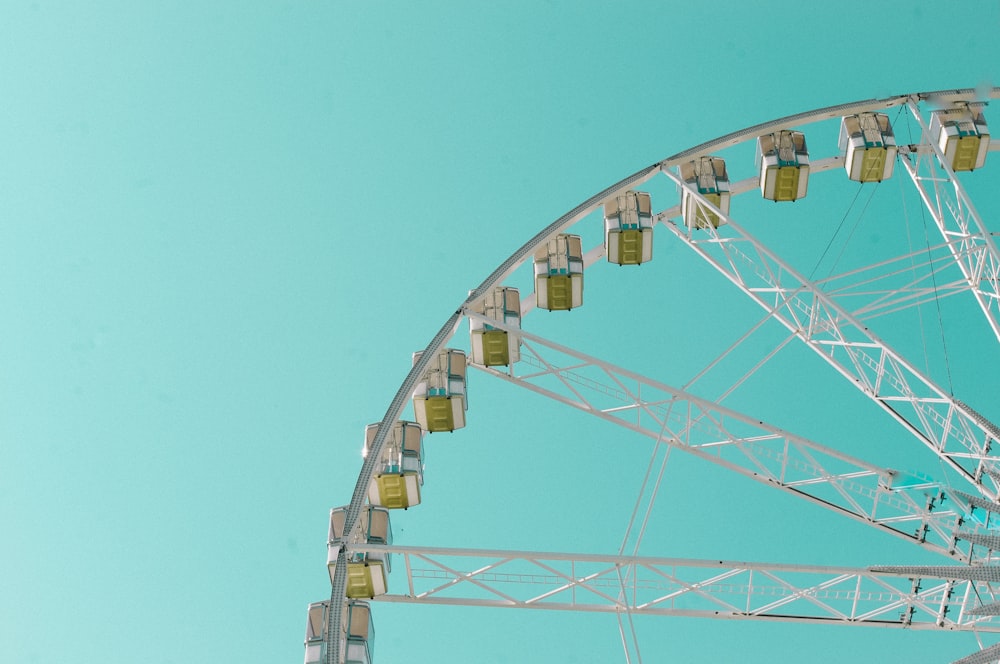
x: 880, y: 497
x: 628, y: 639
x: 650, y: 499
x: 746, y: 335
x: 876, y: 299
x: 930, y: 598
x: 943, y: 424
x: 642, y: 491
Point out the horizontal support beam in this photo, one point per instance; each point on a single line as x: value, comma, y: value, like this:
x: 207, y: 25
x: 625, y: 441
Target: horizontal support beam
x: 719, y: 589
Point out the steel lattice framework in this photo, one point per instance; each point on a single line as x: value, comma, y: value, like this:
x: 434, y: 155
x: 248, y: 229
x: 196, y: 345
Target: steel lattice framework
x: 907, y: 507
x: 937, y: 419
x: 828, y: 316
x: 912, y: 597
x: 972, y: 245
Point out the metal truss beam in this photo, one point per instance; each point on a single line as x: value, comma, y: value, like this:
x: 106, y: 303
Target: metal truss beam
x: 971, y: 243
x: 988, y: 655
x: 934, y: 598
x: 956, y: 434
x: 913, y: 508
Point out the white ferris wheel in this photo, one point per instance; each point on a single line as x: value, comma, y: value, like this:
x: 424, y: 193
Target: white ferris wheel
x: 806, y: 310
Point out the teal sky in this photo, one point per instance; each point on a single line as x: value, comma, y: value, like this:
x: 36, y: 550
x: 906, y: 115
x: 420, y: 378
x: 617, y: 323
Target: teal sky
x: 225, y: 227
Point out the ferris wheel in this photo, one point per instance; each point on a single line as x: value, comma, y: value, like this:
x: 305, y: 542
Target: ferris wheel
x: 793, y: 306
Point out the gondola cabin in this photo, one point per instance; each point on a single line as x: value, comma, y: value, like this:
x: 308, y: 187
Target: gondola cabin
x: 399, y: 472
x: 357, y: 632
x: 439, y: 400
x: 559, y: 273
x: 491, y: 346
x: 783, y: 163
x: 628, y: 228
x: 707, y: 176
x: 962, y: 136
x: 367, y: 572
x: 868, y: 146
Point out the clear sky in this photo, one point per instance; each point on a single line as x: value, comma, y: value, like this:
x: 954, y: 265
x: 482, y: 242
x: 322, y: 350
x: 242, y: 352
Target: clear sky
x: 225, y: 226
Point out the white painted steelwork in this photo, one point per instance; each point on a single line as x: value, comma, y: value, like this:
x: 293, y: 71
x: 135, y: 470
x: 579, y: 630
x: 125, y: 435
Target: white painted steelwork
x: 935, y: 417
x: 907, y: 507
x: 962, y: 437
x: 970, y: 241
x: 937, y: 598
